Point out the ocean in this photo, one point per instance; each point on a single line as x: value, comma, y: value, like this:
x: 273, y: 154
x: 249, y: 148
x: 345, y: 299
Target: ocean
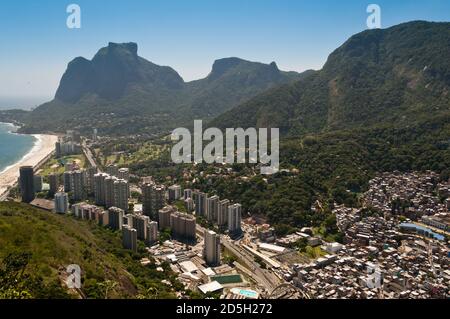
x: 13, y: 147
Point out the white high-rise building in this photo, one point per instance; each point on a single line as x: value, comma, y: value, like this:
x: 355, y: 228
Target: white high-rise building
x: 152, y: 232
x: 234, y: 219
x: 152, y: 199
x: 200, y: 203
x: 78, y: 186
x: 100, y: 188
x: 109, y: 191
x: 212, y: 207
x: 189, y: 204
x: 140, y: 223
x: 121, y: 193
x: 212, y: 248
x: 61, y: 203
x: 222, y: 214
x: 164, y: 217
x: 91, y: 171
x: 115, y: 218
x: 129, y: 238
x: 38, y: 182
x: 124, y: 173
x: 174, y: 192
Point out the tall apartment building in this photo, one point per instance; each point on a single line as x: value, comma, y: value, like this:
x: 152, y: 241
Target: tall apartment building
x: 152, y: 200
x: 78, y: 184
x: 164, y: 217
x: 129, y: 238
x: 121, y: 194
x: 54, y: 184
x: 183, y: 226
x: 38, y: 183
x: 187, y: 193
x: 61, y: 203
x: 68, y: 181
x: 140, y: 223
x: 26, y: 184
x: 100, y: 188
x: 90, y: 212
x: 234, y: 219
x: 115, y: 218
x: 211, y: 251
x: 90, y: 179
x: 124, y: 173
x: 222, y: 213
x: 174, y: 192
x: 189, y: 204
x: 109, y: 191
x: 200, y: 203
x: 58, y: 151
x: 212, y: 207
x: 64, y: 148
x: 152, y: 232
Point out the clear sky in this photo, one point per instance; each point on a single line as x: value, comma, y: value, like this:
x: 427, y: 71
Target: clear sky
x: 188, y: 35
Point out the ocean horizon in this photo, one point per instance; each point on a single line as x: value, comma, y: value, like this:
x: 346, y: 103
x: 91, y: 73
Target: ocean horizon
x: 13, y: 146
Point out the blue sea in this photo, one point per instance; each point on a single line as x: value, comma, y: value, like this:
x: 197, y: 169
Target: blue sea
x: 13, y: 147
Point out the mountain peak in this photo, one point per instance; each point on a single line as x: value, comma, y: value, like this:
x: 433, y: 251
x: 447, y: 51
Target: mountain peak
x: 130, y: 47
x: 221, y: 66
x: 113, y: 70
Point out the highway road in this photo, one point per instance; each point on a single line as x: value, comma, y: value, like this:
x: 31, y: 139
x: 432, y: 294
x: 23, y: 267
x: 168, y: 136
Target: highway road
x: 88, y: 154
x: 263, y: 277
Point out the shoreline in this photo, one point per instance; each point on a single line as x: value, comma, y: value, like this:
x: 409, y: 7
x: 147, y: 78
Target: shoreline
x: 43, y: 147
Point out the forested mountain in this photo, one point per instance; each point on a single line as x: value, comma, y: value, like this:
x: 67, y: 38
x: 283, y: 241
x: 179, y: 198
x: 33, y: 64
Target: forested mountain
x: 121, y: 93
x: 37, y: 246
x: 395, y: 75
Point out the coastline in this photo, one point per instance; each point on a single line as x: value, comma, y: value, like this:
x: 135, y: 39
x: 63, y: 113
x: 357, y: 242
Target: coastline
x: 43, y: 147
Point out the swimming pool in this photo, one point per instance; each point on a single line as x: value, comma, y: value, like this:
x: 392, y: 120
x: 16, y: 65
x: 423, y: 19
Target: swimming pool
x: 422, y: 230
x: 246, y: 293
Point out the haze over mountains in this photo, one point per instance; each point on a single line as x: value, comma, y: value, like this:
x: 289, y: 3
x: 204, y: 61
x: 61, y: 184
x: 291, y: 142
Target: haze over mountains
x: 119, y: 92
x: 397, y: 75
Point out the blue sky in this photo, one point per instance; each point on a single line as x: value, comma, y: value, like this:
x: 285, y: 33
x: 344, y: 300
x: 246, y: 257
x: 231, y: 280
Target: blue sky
x: 188, y: 35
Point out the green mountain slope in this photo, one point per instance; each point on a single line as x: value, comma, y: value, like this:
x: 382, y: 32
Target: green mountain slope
x: 396, y: 75
x: 52, y: 242
x: 233, y: 81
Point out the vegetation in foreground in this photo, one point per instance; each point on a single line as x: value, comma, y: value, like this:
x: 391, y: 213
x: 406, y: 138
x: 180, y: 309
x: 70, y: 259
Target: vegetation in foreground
x: 37, y: 246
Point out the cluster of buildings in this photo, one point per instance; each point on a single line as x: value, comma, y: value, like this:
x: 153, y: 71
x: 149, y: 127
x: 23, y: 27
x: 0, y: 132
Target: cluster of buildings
x: 134, y: 227
x: 412, y: 195
x: 182, y: 226
x: 70, y: 144
x: 221, y: 212
x: 376, y: 261
x: 111, y: 191
x: 393, y: 247
x: 387, y: 252
x: 196, y: 274
x: 29, y: 184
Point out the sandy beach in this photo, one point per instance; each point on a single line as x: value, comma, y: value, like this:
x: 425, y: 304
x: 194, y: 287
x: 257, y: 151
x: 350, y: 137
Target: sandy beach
x: 44, y: 145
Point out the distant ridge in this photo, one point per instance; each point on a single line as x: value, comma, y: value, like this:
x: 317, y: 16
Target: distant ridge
x: 396, y: 75
x: 121, y: 93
